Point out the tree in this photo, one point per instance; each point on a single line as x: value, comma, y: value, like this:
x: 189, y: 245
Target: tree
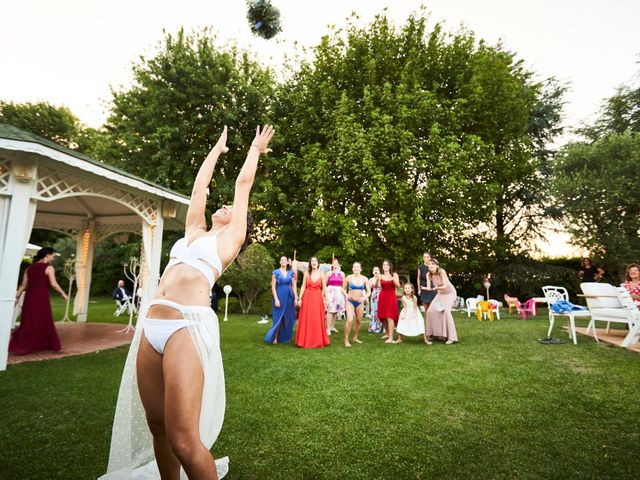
x: 595, y: 180
x: 57, y: 124
x: 249, y: 275
x: 396, y: 140
x: 595, y: 187
x: 163, y: 126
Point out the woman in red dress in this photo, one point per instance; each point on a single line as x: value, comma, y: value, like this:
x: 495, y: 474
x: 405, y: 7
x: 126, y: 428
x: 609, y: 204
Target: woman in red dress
x: 37, y: 331
x: 312, y: 330
x: 387, y: 301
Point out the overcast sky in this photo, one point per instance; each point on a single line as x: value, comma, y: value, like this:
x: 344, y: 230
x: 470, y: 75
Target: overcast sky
x: 69, y: 52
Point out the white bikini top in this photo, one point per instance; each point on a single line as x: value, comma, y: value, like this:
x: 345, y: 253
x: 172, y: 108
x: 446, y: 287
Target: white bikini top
x: 202, y: 249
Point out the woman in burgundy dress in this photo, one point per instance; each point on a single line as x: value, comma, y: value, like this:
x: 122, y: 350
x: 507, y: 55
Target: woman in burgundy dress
x: 37, y: 331
x: 387, y: 301
x: 312, y: 330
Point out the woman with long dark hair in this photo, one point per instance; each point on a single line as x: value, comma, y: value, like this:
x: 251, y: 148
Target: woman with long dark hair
x: 283, y: 305
x: 173, y: 375
x: 37, y: 332
x: 312, y: 329
x: 387, y: 301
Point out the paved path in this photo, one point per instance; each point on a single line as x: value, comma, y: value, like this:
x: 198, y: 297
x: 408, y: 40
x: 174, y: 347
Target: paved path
x: 78, y: 338
x: 614, y: 337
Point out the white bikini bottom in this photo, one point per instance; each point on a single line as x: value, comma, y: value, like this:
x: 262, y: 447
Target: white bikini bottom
x: 157, y: 332
x: 131, y: 455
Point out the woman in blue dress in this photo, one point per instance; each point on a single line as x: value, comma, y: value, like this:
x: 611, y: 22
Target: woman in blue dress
x: 283, y: 305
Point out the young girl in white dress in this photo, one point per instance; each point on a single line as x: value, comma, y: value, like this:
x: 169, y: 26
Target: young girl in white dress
x: 410, y: 323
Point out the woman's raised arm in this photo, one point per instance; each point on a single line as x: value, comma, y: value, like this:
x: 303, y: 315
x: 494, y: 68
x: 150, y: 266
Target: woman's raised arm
x: 235, y: 235
x: 195, y: 215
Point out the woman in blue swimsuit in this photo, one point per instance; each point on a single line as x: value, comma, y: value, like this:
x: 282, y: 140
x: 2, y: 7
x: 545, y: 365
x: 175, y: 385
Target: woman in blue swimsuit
x: 357, y: 294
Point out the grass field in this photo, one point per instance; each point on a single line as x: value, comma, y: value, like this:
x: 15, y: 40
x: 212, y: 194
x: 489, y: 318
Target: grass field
x: 496, y: 405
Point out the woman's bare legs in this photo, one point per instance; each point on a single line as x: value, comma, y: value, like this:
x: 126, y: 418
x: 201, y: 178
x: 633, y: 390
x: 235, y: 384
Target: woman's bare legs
x: 391, y: 327
x: 178, y: 427
x: 331, y: 323
x: 426, y: 339
x: 359, y: 316
x: 151, y: 387
x: 348, y: 323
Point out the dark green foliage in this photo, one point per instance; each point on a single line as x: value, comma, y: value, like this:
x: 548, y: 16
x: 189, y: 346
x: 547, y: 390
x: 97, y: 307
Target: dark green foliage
x: 396, y: 140
x: 163, y: 126
x: 249, y: 275
x: 596, y: 181
x: 57, y: 124
x: 264, y: 18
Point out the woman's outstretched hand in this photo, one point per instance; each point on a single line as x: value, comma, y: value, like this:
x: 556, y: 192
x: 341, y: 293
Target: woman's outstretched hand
x: 221, y: 144
x: 263, y: 138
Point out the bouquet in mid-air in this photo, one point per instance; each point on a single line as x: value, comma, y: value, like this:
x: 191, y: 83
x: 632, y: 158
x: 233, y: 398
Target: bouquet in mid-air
x: 264, y: 18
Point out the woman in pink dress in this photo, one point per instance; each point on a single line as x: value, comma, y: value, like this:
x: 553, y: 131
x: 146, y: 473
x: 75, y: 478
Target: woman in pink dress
x: 335, y: 296
x: 37, y: 331
x: 439, y: 318
x: 312, y: 331
x: 632, y: 282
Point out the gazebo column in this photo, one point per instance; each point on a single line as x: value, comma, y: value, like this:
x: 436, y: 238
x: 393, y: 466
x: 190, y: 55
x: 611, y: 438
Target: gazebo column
x: 84, y: 265
x: 152, y: 244
x: 17, y: 213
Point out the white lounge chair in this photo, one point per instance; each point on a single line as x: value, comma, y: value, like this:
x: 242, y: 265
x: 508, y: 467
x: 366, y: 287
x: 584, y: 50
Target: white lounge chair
x: 609, y: 304
x: 552, y: 295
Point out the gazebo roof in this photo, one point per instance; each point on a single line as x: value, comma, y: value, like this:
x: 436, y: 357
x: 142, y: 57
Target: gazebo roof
x: 71, y: 186
x: 9, y: 132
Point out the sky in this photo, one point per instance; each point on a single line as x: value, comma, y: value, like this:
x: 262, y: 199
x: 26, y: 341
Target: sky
x: 72, y: 52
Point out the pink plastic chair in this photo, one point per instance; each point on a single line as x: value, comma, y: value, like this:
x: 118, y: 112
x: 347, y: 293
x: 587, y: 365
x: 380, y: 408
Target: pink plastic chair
x: 526, y: 308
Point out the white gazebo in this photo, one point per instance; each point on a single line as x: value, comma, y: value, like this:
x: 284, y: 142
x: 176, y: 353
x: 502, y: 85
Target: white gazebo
x: 44, y: 185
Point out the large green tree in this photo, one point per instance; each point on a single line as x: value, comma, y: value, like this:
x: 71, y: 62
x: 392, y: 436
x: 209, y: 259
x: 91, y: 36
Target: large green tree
x: 596, y: 180
x: 395, y: 140
x: 57, y: 124
x: 163, y: 126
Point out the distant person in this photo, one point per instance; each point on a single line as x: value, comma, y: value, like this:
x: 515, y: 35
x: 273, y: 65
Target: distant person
x: 121, y: 294
x: 312, y: 328
x: 283, y: 306
x: 37, y: 331
x: 632, y: 282
x: 590, y: 272
x: 410, y: 322
x: 357, y: 294
x: 387, y: 301
x: 374, y: 325
x: 336, y: 302
x: 214, y: 300
x: 440, y: 322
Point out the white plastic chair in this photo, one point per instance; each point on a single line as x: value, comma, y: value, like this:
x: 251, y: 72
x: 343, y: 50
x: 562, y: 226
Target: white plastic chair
x: 552, y: 294
x: 471, y: 305
x: 496, y: 307
x: 121, y: 307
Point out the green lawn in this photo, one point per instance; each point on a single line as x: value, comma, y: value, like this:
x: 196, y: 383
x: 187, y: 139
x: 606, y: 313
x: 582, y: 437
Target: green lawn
x: 496, y: 405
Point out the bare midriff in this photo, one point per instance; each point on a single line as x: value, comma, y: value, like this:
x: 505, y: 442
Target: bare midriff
x: 180, y: 284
